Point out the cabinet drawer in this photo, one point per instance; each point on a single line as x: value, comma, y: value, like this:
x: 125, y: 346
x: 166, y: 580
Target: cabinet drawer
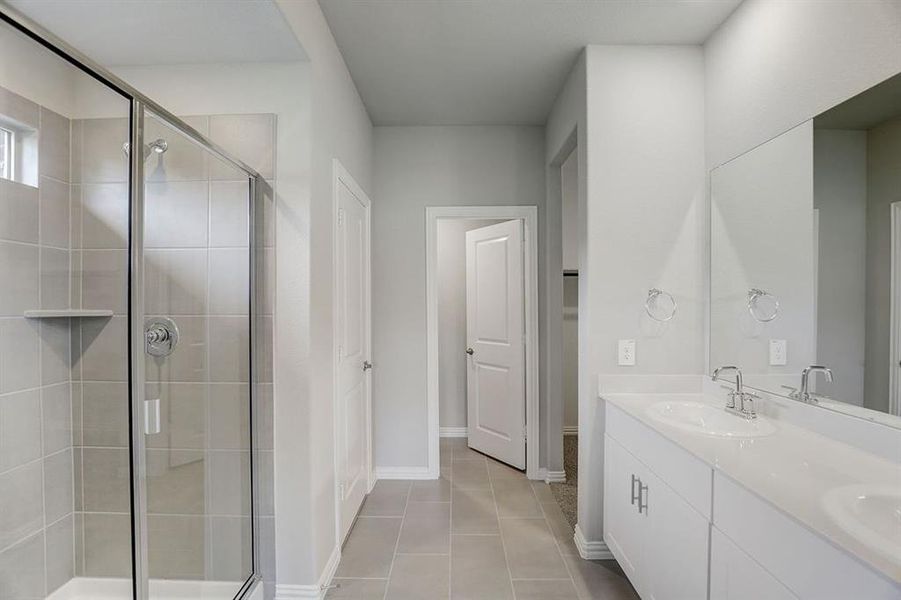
x: 687, y: 475
x: 804, y: 562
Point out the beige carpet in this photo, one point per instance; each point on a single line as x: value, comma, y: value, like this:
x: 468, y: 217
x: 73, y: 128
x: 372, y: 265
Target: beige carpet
x: 566, y: 493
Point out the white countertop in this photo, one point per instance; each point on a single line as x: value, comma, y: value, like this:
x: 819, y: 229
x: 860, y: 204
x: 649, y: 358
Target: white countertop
x: 791, y: 469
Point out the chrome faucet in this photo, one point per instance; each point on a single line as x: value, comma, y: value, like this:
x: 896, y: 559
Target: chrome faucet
x: 803, y: 394
x: 740, y: 402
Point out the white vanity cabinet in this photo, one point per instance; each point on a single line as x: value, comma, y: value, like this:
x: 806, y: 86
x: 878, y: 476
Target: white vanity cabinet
x: 736, y: 576
x: 803, y: 562
x: 658, y: 537
x: 682, y: 530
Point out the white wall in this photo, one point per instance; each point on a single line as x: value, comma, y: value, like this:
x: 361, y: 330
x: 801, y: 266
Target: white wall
x: 564, y: 137
x: 417, y: 167
x: 451, y: 277
x: 569, y: 196
x: 641, y: 219
x: 54, y: 89
x: 840, y: 195
x: 883, y: 183
x: 305, y: 486
x: 645, y: 213
x: 774, y: 64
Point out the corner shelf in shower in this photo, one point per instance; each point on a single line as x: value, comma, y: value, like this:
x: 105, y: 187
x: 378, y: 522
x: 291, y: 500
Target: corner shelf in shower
x: 64, y: 313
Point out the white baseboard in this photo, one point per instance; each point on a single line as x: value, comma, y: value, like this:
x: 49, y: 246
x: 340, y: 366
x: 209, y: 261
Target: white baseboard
x: 555, y: 476
x: 403, y: 473
x: 454, y: 432
x: 284, y: 591
x: 571, y: 430
x: 591, y: 550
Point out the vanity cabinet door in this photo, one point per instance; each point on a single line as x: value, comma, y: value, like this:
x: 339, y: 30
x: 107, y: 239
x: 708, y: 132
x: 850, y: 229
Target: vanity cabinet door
x: 676, y: 546
x: 624, y: 526
x: 736, y: 576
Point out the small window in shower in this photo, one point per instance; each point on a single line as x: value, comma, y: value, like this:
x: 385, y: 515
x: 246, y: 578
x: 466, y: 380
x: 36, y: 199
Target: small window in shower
x: 7, y: 153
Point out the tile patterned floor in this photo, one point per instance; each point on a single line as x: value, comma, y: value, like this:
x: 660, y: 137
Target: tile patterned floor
x: 481, y: 532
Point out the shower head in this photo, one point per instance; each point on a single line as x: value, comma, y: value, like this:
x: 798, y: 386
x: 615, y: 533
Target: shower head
x: 157, y: 146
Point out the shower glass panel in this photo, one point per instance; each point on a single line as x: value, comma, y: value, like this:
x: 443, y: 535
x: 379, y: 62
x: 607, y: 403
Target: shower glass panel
x: 65, y: 478
x: 126, y: 452
x: 197, y: 283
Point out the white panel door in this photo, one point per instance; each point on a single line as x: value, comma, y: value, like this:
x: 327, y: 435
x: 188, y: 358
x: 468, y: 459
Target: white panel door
x: 495, y: 334
x: 352, y: 338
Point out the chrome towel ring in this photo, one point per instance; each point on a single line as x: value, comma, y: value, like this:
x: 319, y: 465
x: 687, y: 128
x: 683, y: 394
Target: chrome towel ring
x: 653, y: 307
x: 763, y: 306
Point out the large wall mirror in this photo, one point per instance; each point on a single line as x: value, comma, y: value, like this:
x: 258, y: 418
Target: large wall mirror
x: 806, y: 259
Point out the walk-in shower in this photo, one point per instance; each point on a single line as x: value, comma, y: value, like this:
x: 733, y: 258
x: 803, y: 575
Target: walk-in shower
x: 133, y: 336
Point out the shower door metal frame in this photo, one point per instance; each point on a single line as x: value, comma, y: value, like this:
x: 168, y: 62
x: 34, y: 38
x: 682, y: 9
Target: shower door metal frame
x: 139, y: 104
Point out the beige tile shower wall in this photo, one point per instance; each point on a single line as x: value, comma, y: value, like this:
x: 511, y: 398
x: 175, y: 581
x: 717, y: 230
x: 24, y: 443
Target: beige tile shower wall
x: 100, y: 348
x: 196, y: 238
x: 36, y: 457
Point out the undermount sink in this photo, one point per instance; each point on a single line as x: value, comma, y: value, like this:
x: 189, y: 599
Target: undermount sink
x: 870, y: 513
x: 702, y: 418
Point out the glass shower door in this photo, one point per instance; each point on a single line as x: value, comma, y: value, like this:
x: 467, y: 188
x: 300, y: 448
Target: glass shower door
x: 197, y: 368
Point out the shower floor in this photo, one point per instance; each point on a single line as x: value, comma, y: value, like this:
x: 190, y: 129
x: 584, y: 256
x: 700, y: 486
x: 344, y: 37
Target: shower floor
x: 91, y: 588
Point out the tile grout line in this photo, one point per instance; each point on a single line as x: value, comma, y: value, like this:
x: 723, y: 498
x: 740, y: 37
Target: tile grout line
x: 397, y: 541
x: 572, y: 579
x: 500, y: 532
x: 450, y: 522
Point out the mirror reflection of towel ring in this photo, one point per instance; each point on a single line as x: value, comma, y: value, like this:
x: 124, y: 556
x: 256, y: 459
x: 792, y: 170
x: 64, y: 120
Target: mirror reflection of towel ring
x: 763, y: 306
x: 654, y: 298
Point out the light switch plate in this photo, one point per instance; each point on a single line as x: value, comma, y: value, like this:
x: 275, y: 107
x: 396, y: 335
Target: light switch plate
x: 626, y: 353
x: 778, y: 353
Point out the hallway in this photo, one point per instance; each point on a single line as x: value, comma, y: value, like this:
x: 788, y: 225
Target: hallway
x: 482, y: 531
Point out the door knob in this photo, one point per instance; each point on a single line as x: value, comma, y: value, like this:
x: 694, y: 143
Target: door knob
x: 367, y: 365
x: 470, y: 351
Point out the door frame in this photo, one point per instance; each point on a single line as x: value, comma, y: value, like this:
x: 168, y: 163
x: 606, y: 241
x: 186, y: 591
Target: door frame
x: 894, y: 403
x: 340, y: 176
x: 529, y: 216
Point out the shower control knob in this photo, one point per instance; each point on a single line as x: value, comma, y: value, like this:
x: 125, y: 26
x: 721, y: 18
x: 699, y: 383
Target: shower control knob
x: 160, y: 336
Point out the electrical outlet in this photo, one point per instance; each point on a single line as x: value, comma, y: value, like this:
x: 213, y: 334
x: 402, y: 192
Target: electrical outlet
x: 626, y: 353
x: 778, y: 353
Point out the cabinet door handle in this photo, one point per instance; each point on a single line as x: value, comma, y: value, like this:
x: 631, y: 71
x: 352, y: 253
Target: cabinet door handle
x: 634, y: 495
x: 642, y: 498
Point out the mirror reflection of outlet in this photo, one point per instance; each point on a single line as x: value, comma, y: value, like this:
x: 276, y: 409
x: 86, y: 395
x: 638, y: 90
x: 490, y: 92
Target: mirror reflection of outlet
x: 626, y: 353
x: 778, y: 353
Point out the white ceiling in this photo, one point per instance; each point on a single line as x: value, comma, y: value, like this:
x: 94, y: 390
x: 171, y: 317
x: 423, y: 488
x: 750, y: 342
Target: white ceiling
x: 430, y: 62
x: 168, y: 32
